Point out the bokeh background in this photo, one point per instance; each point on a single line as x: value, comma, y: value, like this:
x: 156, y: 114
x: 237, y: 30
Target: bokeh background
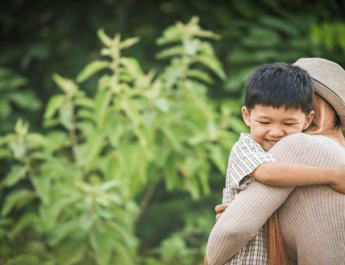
x: 114, y: 148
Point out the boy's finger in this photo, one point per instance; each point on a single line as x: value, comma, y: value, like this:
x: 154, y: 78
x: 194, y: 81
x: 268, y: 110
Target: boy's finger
x: 221, y: 208
x: 223, y: 191
x: 218, y: 216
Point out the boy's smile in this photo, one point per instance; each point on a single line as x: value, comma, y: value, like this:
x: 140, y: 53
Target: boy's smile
x: 268, y: 125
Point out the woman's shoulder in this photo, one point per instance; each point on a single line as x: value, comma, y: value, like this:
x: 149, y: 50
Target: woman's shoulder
x: 312, y: 149
x: 307, y: 140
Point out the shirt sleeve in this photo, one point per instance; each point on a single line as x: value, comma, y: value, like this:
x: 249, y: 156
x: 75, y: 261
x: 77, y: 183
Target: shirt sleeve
x: 245, y: 157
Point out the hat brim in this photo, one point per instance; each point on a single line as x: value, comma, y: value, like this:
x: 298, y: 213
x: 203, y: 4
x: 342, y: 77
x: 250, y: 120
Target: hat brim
x: 333, y: 99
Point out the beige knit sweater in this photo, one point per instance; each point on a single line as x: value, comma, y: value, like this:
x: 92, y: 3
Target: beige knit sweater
x: 312, y: 218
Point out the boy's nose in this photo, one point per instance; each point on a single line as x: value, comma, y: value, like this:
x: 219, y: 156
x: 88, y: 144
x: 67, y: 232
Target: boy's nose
x: 276, y: 132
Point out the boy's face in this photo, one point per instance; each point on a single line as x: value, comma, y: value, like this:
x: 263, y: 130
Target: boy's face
x: 268, y: 125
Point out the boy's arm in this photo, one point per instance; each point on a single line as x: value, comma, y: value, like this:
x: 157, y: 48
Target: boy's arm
x: 289, y: 174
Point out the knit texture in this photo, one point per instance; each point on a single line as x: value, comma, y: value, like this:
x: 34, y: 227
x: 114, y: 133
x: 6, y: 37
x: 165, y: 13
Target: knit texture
x: 312, y: 219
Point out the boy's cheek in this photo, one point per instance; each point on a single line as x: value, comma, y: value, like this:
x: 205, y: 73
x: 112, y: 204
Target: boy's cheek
x: 297, y: 129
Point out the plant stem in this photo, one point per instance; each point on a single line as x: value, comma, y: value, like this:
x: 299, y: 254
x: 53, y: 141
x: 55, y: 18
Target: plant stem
x: 145, y: 200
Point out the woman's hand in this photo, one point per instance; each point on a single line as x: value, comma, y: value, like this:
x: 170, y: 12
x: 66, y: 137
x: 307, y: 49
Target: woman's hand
x: 339, y: 179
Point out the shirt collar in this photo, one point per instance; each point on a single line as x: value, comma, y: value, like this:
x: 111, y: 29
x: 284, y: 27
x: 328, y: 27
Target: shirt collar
x: 245, y: 136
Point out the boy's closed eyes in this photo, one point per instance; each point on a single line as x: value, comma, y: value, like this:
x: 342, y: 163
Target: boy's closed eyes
x: 268, y: 124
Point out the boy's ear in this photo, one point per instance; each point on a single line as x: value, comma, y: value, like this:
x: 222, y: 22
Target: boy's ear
x: 246, y: 115
x: 308, y: 120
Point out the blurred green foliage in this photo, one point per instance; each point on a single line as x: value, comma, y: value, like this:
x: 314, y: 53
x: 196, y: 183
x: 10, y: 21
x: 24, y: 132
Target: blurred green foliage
x: 71, y: 193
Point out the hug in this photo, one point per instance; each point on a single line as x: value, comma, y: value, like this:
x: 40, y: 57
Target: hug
x: 284, y: 200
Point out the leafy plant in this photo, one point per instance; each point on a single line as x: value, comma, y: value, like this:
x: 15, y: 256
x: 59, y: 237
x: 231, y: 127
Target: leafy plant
x: 329, y: 34
x: 16, y: 98
x: 72, y: 193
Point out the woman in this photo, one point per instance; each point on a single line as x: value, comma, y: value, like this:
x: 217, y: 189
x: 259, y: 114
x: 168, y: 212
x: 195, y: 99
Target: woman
x: 312, y: 219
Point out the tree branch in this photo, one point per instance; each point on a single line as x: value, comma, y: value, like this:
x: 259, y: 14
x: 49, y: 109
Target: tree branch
x: 145, y: 200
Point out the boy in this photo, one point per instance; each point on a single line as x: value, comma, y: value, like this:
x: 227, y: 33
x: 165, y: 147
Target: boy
x: 278, y: 103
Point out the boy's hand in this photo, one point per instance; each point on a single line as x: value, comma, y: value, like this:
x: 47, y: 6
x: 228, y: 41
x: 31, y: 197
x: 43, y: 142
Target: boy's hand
x: 339, y: 181
x: 220, y: 209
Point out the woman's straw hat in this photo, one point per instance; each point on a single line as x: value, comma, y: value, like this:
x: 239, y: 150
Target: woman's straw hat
x: 329, y: 81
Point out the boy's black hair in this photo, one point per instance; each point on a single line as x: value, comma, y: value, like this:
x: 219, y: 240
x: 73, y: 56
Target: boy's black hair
x: 280, y: 84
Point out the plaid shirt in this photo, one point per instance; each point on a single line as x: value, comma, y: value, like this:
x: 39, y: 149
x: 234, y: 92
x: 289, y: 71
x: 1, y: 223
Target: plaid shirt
x: 246, y: 155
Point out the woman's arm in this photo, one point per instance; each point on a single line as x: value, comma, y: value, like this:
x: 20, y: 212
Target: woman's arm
x: 245, y: 215
x: 249, y: 211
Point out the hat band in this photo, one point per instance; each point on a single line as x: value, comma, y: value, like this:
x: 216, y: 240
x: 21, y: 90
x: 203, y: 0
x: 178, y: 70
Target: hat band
x: 328, y: 89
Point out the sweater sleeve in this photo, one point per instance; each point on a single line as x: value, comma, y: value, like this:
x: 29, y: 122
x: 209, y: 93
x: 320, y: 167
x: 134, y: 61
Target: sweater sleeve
x: 253, y: 206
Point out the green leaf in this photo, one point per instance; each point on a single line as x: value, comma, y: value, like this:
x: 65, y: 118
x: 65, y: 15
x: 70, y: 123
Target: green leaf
x: 26, y: 220
x: 238, y: 125
x: 85, y: 102
x: 132, y: 66
x: 172, y: 178
x: 128, y: 42
x: 114, y: 133
x: 176, y: 50
x: 85, y: 114
x: 213, y: 63
x: 172, y: 138
x: 194, y: 189
x: 191, y: 47
x: 103, y: 99
x: 86, y: 154
x: 172, y: 74
x: 131, y: 109
x: 26, y: 100
x: 91, y: 69
x: 49, y: 215
x: 171, y: 34
x: 17, y: 173
x: 87, y: 128
x: 282, y: 25
x: 18, y: 149
x: 4, y: 153
x: 66, y: 114
x: 217, y: 157
x: 109, y: 184
x: 67, y: 85
x: 10, y: 80
x: 123, y: 257
x: 14, y: 198
x: 71, y: 253
x: 200, y: 75
x: 38, y: 140
x: 10, y: 137
x: 101, y: 243
x: 207, y: 34
x: 104, y: 38
x: 42, y: 187
x: 120, y: 231
x: 160, y: 155
x: 133, y: 154
x: 191, y: 165
x: 206, y: 48
x: 62, y: 231
x: 5, y: 109
x: 162, y: 104
x: 203, y: 176
x: 86, y: 221
x: 54, y: 104
x: 237, y: 79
